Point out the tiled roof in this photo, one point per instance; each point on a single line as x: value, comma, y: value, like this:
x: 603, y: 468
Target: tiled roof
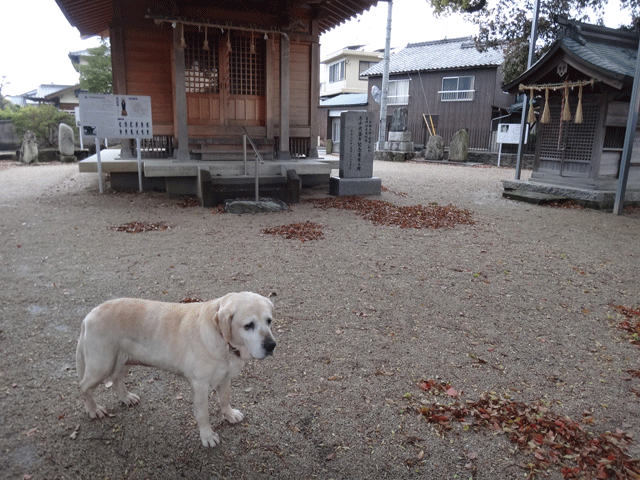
x: 608, y: 54
x: 446, y: 54
x: 345, y: 100
x: 617, y: 59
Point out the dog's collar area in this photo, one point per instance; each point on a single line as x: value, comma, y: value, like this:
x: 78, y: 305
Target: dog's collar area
x: 234, y: 351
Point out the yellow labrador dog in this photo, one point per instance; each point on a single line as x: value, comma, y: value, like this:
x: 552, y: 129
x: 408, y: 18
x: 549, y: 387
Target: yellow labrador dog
x: 207, y: 343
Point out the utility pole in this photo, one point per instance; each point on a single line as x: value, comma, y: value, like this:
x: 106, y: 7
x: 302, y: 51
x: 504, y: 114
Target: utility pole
x: 385, y: 82
x: 625, y: 159
x: 532, y: 51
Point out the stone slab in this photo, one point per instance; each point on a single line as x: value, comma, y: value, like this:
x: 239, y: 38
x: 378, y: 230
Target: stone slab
x: 356, y: 144
x: 355, y: 186
x: 537, y: 198
x: 263, y: 205
x: 398, y: 146
x: 400, y: 136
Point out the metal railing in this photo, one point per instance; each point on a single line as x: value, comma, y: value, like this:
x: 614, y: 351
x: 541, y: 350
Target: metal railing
x: 258, y: 157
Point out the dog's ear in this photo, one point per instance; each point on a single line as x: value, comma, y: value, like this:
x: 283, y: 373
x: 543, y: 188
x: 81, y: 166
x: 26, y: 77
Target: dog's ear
x: 223, y: 318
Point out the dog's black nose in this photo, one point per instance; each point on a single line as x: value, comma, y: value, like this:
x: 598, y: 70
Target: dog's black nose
x: 269, y: 345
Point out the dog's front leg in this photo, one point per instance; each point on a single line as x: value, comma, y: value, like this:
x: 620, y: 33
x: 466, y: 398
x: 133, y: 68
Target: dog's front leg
x: 224, y: 396
x: 201, y: 409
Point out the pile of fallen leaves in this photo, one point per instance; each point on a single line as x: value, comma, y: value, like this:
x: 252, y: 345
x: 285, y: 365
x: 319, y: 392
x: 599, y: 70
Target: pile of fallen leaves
x: 385, y: 189
x: 139, y: 227
x: 191, y: 300
x: 299, y: 231
x: 384, y: 213
x: 631, y: 323
x: 553, y: 440
x: 189, y: 201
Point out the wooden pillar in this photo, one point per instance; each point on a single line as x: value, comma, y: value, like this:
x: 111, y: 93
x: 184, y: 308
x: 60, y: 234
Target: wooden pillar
x: 315, y: 90
x: 180, y: 103
x: 285, y: 76
x: 118, y: 69
x: 116, y: 38
x: 271, y: 86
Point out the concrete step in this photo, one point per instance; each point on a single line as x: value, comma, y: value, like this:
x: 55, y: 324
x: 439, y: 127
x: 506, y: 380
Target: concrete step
x: 536, y: 198
x: 228, y: 155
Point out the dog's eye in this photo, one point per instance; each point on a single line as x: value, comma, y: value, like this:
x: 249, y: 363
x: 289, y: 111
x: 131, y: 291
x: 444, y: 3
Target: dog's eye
x: 269, y: 321
x: 249, y: 326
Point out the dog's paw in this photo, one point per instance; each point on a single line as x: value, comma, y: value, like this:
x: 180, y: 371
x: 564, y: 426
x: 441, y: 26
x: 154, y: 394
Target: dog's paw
x: 130, y: 399
x: 209, y: 437
x: 97, y: 412
x: 233, y: 415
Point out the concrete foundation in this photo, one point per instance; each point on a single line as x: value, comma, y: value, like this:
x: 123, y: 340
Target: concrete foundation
x: 354, y: 186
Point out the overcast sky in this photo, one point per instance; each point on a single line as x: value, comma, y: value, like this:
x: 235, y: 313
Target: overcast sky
x: 35, y: 38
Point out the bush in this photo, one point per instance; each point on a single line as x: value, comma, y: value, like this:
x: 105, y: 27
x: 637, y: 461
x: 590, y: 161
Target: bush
x: 43, y: 120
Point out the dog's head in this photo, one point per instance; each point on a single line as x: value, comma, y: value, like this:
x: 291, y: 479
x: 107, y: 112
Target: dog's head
x: 245, y: 323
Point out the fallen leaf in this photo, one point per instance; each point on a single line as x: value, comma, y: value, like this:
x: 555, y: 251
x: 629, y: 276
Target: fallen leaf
x: 452, y: 392
x: 331, y: 456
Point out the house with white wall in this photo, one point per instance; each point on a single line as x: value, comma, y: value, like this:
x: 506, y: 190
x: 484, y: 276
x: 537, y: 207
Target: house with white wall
x: 342, y: 89
x: 342, y: 70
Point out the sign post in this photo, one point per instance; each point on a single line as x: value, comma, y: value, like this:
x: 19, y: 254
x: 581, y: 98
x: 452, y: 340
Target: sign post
x: 509, y: 133
x: 115, y: 116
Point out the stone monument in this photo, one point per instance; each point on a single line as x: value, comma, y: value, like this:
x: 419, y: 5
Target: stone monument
x: 459, y: 146
x: 435, y: 148
x: 399, y: 146
x: 29, y: 148
x: 356, y: 157
x: 66, y: 143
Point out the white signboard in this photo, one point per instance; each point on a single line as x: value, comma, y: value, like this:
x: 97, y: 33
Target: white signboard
x: 510, y: 133
x: 115, y: 116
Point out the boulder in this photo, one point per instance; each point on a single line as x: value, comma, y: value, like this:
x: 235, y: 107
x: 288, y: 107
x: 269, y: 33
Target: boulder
x: 459, y: 146
x: 66, y: 142
x: 435, y: 148
x: 263, y: 205
x: 29, y: 148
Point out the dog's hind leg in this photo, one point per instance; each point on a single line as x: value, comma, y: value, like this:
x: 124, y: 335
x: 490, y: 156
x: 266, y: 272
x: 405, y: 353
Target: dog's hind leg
x: 125, y: 396
x: 92, y: 376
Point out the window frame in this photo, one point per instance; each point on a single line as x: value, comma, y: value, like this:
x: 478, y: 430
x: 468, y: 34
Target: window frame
x: 458, y: 95
x: 339, y: 68
x: 395, y: 99
x: 369, y: 64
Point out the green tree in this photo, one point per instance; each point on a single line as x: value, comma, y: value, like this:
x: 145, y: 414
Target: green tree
x: 43, y: 120
x: 95, y: 70
x: 507, y: 24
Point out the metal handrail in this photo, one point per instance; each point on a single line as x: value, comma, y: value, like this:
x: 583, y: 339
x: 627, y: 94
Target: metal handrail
x: 246, y: 136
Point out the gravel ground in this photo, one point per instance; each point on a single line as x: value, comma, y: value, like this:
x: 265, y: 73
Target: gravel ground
x: 368, y: 319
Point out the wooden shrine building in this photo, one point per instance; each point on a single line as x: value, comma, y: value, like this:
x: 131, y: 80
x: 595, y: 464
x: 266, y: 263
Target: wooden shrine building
x: 212, y: 68
x: 583, y: 88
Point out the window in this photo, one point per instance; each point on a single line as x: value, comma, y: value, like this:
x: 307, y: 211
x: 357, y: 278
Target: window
x: 365, y: 66
x: 457, y: 89
x: 398, y: 92
x: 247, y: 66
x: 201, y: 66
x: 335, y: 129
x: 336, y: 72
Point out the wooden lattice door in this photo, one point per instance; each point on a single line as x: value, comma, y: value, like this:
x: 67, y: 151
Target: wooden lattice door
x: 225, y: 82
x: 566, y: 148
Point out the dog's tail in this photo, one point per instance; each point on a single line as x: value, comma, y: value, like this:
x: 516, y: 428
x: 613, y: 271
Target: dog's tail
x: 80, y: 354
